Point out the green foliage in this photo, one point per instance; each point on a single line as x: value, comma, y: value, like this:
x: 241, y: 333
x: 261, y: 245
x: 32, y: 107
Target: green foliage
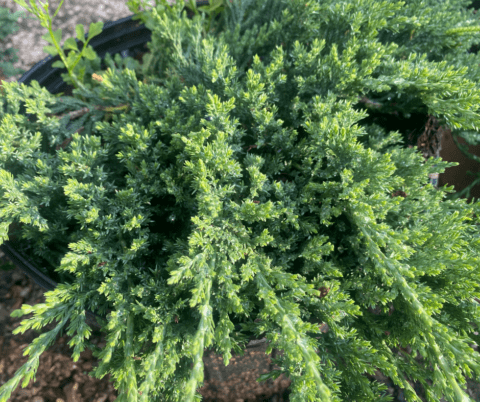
x: 9, y: 25
x: 237, y: 181
x: 443, y: 31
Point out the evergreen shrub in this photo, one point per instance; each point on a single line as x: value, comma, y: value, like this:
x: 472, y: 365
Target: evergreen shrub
x: 231, y: 186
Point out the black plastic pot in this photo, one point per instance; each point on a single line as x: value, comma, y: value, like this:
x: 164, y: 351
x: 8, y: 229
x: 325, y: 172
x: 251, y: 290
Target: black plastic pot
x: 129, y: 39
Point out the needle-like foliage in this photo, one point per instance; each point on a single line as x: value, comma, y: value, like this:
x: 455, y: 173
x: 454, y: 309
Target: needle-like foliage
x: 230, y: 187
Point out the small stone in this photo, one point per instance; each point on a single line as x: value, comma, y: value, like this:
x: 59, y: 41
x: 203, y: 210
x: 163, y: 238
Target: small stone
x: 25, y: 291
x: 17, y: 275
x: 101, y: 398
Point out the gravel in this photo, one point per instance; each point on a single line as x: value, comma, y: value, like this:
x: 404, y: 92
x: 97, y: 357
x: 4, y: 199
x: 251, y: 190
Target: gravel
x: 28, y: 39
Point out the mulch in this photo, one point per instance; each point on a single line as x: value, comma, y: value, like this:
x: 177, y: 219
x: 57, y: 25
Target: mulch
x: 58, y: 378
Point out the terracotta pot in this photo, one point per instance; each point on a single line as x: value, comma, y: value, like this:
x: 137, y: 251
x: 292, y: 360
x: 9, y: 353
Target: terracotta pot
x: 458, y: 175
x: 437, y: 141
x: 237, y: 381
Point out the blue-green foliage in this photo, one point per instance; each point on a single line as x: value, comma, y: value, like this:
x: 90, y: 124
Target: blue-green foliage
x: 239, y: 183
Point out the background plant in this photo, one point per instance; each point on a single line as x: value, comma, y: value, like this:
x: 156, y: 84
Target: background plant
x: 9, y: 25
x: 75, y: 62
x: 243, y: 182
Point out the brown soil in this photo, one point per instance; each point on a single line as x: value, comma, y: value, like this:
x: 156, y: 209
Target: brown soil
x: 58, y: 378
